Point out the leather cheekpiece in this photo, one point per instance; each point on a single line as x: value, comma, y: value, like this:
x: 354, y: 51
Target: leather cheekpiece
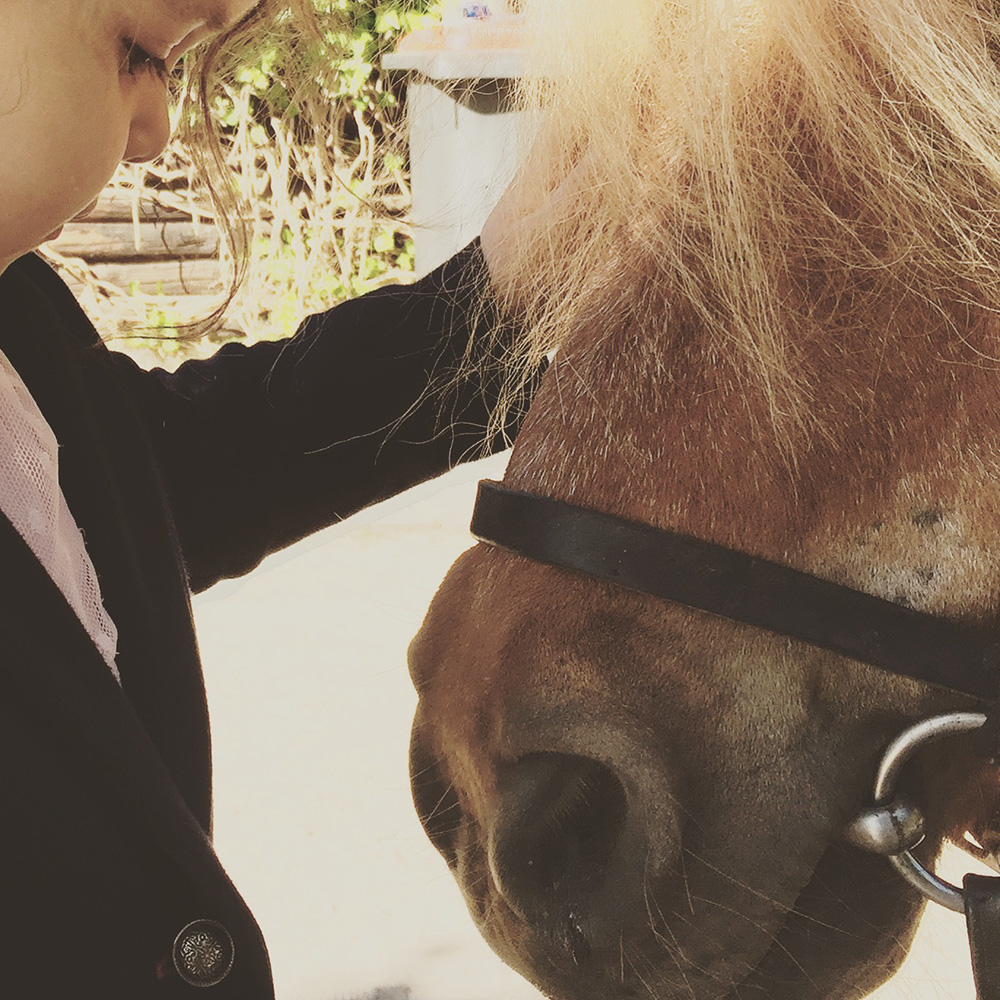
x: 982, y: 916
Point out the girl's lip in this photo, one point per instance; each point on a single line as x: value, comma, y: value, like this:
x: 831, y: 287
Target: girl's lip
x: 56, y: 233
x: 90, y: 208
x: 79, y: 215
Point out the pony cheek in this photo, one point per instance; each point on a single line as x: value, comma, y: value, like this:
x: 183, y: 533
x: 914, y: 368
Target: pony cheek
x: 602, y: 774
x: 850, y: 956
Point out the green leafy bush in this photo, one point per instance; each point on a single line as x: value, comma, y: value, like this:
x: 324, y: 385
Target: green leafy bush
x: 324, y: 131
x: 314, y: 146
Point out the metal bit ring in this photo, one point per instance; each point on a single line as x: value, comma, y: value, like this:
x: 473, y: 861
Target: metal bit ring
x: 897, y: 754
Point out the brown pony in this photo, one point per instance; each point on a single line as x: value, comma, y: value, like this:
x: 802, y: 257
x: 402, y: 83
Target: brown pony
x: 767, y: 247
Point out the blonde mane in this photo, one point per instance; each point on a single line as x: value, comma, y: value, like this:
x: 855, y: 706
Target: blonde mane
x: 761, y: 171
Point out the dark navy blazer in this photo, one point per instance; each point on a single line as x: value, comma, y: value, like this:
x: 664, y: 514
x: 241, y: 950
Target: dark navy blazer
x: 176, y: 481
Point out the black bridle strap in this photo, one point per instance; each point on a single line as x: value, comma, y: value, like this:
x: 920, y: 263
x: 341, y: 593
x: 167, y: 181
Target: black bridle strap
x: 740, y: 587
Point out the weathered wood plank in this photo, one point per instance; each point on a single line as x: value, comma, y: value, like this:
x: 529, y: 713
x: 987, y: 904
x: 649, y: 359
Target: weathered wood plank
x: 166, y: 277
x: 114, y: 242
x: 115, y: 205
x: 192, y: 310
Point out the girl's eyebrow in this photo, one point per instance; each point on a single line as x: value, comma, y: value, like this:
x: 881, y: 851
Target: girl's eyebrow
x: 220, y: 20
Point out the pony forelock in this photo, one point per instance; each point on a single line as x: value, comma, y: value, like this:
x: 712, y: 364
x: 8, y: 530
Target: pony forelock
x: 759, y: 172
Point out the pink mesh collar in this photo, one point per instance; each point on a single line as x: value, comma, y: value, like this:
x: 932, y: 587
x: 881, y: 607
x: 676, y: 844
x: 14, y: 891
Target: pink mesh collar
x: 31, y: 497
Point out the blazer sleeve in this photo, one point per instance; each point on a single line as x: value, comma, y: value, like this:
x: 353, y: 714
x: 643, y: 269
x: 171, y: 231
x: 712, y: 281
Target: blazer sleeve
x: 261, y: 445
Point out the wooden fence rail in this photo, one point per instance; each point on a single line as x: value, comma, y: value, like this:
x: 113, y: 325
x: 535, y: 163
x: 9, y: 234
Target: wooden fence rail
x: 145, y: 246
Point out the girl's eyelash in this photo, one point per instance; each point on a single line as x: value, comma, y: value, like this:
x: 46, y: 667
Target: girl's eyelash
x: 137, y: 60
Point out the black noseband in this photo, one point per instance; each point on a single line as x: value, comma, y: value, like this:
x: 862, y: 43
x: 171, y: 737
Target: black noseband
x: 742, y: 588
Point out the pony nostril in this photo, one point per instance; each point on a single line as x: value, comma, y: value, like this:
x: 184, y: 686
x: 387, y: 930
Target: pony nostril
x: 558, y: 825
x: 435, y: 799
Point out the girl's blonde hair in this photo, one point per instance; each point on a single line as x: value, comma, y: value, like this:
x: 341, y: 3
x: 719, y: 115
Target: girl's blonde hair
x: 301, y: 159
x: 761, y: 171
x: 205, y: 74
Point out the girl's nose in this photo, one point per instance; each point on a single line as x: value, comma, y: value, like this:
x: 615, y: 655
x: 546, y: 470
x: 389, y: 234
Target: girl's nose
x: 150, y: 128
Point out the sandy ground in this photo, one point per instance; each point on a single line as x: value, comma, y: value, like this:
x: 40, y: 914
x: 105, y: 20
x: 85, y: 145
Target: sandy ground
x: 311, y: 707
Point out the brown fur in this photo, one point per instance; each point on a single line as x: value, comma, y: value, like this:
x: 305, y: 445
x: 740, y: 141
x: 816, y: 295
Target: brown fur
x: 749, y: 753
x: 741, y: 755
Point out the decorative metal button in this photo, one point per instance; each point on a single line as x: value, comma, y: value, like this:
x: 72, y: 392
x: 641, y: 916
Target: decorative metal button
x: 203, y: 953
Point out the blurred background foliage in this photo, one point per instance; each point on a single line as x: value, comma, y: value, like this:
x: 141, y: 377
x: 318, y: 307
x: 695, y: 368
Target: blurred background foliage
x: 313, y: 138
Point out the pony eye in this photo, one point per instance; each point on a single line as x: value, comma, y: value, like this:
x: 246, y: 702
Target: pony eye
x: 137, y: 60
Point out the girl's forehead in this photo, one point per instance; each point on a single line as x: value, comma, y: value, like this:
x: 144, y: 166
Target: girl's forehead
x: 216, y: 15
x: 209, y: 15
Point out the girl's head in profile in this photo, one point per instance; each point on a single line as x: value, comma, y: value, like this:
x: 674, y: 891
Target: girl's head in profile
x: 85, y: 85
